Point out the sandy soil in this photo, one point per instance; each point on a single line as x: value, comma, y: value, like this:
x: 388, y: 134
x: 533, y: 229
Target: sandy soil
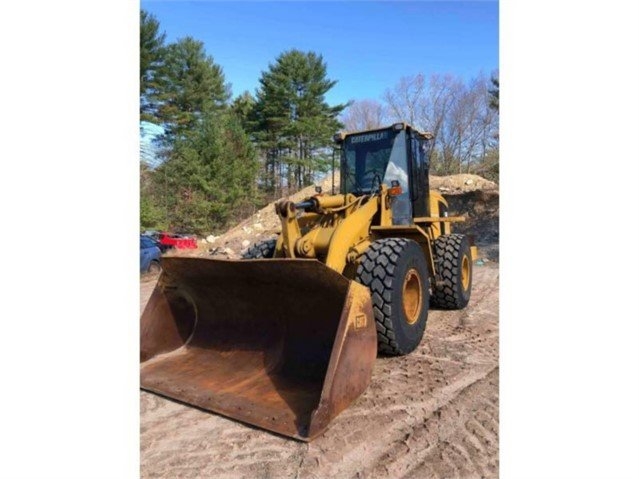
x: 433, y: 413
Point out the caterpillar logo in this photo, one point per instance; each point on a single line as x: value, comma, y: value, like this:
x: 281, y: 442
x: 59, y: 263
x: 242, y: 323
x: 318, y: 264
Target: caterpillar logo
x: 360, y: 321
x: 382, y: 135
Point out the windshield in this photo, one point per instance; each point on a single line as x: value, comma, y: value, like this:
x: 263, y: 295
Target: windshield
x: 370, y: 159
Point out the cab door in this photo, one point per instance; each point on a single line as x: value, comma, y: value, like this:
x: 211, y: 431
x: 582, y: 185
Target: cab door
x: 419, y: 175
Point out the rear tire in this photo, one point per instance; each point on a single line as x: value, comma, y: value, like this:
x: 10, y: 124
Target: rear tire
x: 262, y: 249
x: 455, y: 269
x: 395, y: 271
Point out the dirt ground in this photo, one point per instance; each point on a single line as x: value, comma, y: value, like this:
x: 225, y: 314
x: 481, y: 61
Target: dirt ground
x: 433, y: 413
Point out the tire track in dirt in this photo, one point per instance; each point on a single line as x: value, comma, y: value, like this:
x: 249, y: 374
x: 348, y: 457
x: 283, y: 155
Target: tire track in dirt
x: 421, y: 438
x: 474, y: 456
x: 433, y: 413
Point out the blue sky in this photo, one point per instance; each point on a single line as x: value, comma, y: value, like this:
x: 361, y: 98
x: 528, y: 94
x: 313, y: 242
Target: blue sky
x: 367, y: 46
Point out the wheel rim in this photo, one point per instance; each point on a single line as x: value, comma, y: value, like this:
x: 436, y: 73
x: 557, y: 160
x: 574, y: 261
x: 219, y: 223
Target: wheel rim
x: 412, y: 296
x: 465, y: 272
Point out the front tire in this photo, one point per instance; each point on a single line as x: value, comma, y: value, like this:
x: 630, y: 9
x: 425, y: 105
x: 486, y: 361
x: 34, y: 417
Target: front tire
x: 395, y: 271
x: 454, y: 267
x: 263, y: 249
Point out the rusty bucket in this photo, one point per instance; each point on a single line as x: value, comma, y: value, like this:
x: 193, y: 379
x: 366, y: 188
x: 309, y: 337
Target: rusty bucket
x: 283, y: 344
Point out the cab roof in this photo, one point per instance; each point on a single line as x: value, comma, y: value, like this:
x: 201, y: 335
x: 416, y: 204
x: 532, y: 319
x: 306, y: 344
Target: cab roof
x: 340, y: 136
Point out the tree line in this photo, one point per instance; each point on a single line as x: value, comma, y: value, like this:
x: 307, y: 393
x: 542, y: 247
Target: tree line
x: 221, y: 158
x: 463, y: 116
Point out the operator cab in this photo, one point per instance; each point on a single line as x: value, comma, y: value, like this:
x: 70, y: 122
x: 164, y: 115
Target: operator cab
x: 394, y: 156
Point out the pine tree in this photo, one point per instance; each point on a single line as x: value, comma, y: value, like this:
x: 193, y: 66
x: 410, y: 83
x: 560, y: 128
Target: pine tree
x: 190, y: 86
x: 243, y: 107
x: 151, y: 57
x: 209, y: 179
x: 494, y: 93
x: 292, y: 121
x: 151, y: 213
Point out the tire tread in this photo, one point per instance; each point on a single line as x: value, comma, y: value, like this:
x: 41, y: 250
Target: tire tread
x: 376, y: 271
x: 448, y: 254
x: 261, y: 249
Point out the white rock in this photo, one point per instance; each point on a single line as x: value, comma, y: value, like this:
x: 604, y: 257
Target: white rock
x: 211, y: 238
x: 229, y: 251
x: 468, y: 182
x: 258, y: 227
x: 245, y: 243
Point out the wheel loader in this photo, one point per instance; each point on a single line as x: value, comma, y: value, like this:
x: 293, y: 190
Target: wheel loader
x: 286, y: 338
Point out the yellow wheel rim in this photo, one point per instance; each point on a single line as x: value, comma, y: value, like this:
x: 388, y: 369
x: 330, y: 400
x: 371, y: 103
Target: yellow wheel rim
x: 465, y: 272
x: 412, y: 296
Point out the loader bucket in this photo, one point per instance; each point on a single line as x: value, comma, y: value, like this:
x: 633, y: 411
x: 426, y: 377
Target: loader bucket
x: 283, y: 344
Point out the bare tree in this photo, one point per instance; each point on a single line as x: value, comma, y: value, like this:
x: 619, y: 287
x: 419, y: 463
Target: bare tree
x: 435, y: 114
x: 364, y: 115
x: 476, y: 123
x: 456, y: 112
x: 406, y: 99
x: 427, y: 106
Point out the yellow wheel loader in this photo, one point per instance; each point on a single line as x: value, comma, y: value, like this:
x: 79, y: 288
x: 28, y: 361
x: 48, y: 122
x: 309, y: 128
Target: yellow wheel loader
x: 286, y: 338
